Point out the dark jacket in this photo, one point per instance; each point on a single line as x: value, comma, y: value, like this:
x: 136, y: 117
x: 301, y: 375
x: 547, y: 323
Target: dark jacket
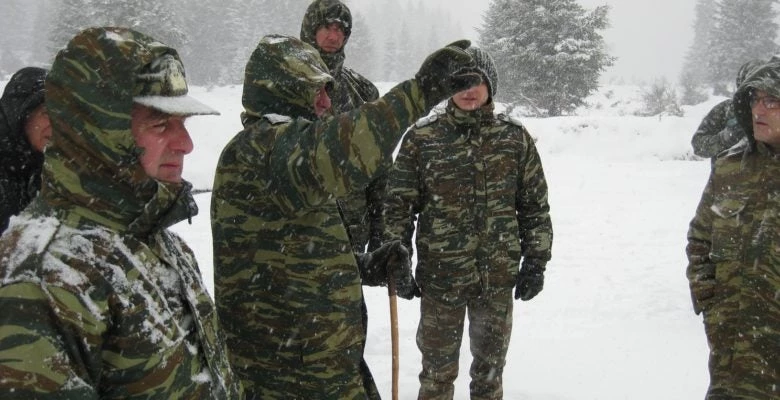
x: 20, y: 168
x: 472, y: 185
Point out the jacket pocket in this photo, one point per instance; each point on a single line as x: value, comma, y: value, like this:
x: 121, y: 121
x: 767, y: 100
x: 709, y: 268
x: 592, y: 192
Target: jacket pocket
x: 728, y: 225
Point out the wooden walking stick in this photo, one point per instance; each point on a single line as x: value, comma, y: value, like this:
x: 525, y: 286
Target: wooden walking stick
x: 394, y: 332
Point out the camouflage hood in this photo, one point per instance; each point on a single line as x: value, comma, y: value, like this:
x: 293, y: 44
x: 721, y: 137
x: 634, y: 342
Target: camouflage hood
x: 323, y: 12
x: 764, y: 77
x: 92, y: 169
x: 283, y: 76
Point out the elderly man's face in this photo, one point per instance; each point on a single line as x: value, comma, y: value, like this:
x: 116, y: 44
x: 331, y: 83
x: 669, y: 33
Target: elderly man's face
x: 330, y: 37
x: 165, y: 141
x: 766, y: 118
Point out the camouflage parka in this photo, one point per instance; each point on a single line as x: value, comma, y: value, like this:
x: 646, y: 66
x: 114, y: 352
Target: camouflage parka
x: 474, y: 184
x: 98, y: 300
x: 20, y: 170
x: 287, y: 284
x: 718, y: 131
x: 361, y: 209
x: 734, y: 259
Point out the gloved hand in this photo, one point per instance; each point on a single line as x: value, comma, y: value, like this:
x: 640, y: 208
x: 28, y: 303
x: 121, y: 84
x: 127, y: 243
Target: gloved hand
x: 702, y: 282
x: 530, y: 281
x: 389, y: 260
x: 445, y: 72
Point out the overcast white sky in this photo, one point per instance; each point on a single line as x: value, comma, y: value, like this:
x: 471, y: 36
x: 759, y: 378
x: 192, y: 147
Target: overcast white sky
x: 649, y: 38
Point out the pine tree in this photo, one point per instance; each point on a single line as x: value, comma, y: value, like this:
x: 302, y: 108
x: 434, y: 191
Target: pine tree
x: 697, y: 66
x: 743, y: 30
x: 547, y: 51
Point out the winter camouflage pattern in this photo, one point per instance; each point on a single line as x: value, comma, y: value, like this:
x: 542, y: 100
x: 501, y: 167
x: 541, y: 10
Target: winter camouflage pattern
x: 287, y: 285
x: 734, y: 260
x: 20, y: 170
x: 474, y: 184
x: 360, y: 209
x: 720, y: 130
x: 98, y: 298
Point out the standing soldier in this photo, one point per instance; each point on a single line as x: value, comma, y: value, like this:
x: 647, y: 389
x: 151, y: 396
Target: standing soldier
x: 98, y: 299
x: 734, y: 250
x: 287, y: 284
x: 719, y: 129
x: 473, y: 180
x: 327, y: 26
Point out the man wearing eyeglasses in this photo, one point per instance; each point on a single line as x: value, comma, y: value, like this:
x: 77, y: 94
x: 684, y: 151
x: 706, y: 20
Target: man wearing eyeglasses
x: 734, y: 249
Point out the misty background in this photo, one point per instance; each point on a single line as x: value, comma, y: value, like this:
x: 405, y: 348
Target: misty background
x: 680, y: 51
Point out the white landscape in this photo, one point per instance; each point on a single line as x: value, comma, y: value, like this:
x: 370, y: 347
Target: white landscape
x: 614, y: 321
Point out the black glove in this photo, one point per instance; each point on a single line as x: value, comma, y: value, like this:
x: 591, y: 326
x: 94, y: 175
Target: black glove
x: 389, y: 260
x: 702, y: 282
x: 530, y: 281
x: 444, y: 73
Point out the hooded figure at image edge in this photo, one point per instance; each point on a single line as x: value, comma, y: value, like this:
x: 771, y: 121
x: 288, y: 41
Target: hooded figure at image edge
x: 20, y: 169
x: 288, y: 286
x: 734, y: 250
x: 98, y: 299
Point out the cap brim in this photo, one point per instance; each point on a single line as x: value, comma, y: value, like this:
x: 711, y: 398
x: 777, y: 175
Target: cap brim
x: 176, y: 105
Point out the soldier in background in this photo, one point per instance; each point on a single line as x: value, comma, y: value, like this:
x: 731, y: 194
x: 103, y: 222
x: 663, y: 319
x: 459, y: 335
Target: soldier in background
x: 734, y: 249
x: 98, y: 299
x: 24, y: 132
x: 474, y: 183
x: 287, y: 284
x: 327, y: 26
x: 719, y: 129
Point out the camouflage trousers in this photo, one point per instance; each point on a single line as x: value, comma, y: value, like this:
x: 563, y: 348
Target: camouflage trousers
x: 439, y: 336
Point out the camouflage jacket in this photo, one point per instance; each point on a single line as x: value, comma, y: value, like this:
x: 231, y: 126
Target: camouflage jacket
x: 476, y: 184
x: 736, y: 235
x: 718, y: 131
x: 361, y: 209
x: 287, y: 285
x: 20, y: 170
x: 98, y: 300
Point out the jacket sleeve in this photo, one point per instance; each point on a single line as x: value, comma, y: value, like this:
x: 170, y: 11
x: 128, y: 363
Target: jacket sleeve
x: 710, y: 137
x: 405, y: 193
x: 375, y: 197
x: 310, y: 162
x: 700, y: 245
x: 533, y: 210
x: 50, y: 342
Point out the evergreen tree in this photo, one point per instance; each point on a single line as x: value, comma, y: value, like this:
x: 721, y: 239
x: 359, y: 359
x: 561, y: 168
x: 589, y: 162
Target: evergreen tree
x: 697, y: 66
x: 360, y: 48
x: 743, y: 30
x: 548, y: 51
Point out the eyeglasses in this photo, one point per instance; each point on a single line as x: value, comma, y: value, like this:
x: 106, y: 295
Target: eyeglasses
x: 770, y: 102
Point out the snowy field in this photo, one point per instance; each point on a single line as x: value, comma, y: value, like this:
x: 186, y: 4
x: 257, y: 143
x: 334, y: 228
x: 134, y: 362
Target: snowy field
x: 614, y: 321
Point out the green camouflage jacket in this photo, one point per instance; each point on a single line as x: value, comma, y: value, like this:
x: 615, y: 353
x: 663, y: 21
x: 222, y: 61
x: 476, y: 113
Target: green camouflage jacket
x: 98, y: 300
x: 361, y: 209
x: 287, y: 284
x: 718, y: 131
x: 734, y: 259
x: 476, y: 184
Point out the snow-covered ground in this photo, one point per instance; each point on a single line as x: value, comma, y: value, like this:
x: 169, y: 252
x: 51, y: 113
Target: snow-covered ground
x: 614, y: 321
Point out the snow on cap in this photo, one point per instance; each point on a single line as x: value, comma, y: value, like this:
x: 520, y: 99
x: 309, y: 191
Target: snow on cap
x: 161, y: 85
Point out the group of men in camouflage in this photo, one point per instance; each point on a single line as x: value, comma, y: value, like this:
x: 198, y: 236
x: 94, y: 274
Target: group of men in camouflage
x: 98, y: 299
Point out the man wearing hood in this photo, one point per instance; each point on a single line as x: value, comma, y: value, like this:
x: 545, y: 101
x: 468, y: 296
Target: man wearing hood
x: 98, y: 299
x: 474, y: 182
x: 734, y: 249
x: 24, y: 132
x: 287, y: 285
